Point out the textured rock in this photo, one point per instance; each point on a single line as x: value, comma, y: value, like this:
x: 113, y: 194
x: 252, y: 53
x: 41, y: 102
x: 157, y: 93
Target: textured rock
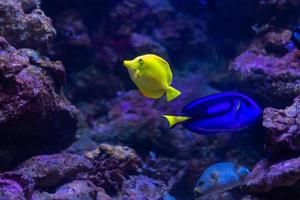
x: 11, y: 190
x: 142, y: 187
x: 24, y: 24
x: 113, y: 165
x: 268, y: 175
x: 283, y: 127
x: 76, y: 190
x: 25, y: 182
x: 275, y: 80
x: 34, y: 117
x: 276, y: 42
x: 48, y: 171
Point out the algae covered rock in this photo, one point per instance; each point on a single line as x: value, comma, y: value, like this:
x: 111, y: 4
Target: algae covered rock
x: 268, y: 175
x: 112, y: 166
x: 76, y: 190
x: 274, y: 80
x: 279, y: 173
x: 49, y: 170
x: 34, y: 117
x: 283, y: 127
x: 24, y: 24
x: 10, y: 190
x: 143, y: 187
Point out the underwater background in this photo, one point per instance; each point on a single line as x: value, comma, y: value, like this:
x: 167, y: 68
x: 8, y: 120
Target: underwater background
x: 73, y: 125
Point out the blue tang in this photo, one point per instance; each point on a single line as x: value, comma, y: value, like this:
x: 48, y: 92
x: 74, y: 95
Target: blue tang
x: 296, y: 37
x: 220, y: 177
x: 295, y: 40
x: 222, y: 112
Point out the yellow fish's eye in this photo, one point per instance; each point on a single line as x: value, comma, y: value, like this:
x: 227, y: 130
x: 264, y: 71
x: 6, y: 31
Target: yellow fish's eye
x: 141, y: 61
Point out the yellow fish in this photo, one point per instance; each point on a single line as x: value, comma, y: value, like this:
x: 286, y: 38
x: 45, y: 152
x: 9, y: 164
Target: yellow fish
x: 152, y: 75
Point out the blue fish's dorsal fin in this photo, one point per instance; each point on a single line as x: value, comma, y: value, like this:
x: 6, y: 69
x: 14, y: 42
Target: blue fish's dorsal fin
x: 219, y: 108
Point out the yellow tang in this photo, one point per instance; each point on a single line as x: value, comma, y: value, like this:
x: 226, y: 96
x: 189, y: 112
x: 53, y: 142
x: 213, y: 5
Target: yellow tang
x: 152, y: 75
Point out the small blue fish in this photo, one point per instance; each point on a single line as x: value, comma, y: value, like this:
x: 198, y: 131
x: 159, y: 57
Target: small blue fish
x: 220, y: 177
x: 295, y: 40
x: 222, y: 112
x: 296, y: 37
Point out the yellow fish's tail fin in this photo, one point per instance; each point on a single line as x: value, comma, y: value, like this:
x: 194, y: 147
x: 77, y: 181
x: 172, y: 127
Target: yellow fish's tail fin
x: 172, y: 93
x: 174, y: 120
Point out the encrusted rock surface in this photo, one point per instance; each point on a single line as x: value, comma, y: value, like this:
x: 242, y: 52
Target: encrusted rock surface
x: 76, y: 190
x: 275, y: 80
x: 11, y: 190
x: 268, y: 175
x: 112, y: 166
x: 24, y: 24
x: 48, y: 171
x: 282, y: 167
x: 34, y: 117
x: 142, y: 187
x: 283, y: 127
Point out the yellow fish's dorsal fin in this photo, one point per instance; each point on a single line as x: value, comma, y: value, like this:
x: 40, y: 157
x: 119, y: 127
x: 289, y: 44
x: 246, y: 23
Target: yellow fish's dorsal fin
x: 163, y: 61
x: 174, y: 120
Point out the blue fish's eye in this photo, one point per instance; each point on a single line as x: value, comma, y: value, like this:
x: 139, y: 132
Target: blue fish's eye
x: 200, y: 183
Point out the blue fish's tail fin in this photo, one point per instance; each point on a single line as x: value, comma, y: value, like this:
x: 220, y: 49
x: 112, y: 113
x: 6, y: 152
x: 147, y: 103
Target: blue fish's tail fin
x: 172, y: 93
x: 290, y: 46
x: 174, y: 120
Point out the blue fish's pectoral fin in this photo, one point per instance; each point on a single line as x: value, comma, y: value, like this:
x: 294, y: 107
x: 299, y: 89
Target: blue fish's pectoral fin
x: 174, y: 120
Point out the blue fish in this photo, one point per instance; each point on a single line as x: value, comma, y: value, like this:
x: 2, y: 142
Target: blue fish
x: 219, y: 178
x: 222, y: 112
x: 295, y: 40
x: 296, y: 37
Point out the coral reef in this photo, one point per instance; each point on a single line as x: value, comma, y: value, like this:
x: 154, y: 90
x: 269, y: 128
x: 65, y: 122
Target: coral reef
x: 124, y: 149
x: 281, y: 168
x: 254, y: 69
x: 141, y: 187
x: 283, y: 127
x: 268, y: 175
x: 11, y: 190
x: 48, y: 171
x: 34, y: 117
x: 76, y: 190
x: 112, y: 166
x: 24, y: 24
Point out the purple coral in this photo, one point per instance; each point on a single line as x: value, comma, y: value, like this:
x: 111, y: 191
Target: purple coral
x: 34, y: 117
x: 24, y: 24
x: 112, y: 166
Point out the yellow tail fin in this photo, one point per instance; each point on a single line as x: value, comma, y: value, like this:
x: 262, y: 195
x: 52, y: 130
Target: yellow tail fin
x: 173, y: 120
x: 172, y: 93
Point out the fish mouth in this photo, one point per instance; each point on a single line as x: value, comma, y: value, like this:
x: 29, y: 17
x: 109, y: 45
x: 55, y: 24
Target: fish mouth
x: 126, y: 63
x: 198, y: 192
